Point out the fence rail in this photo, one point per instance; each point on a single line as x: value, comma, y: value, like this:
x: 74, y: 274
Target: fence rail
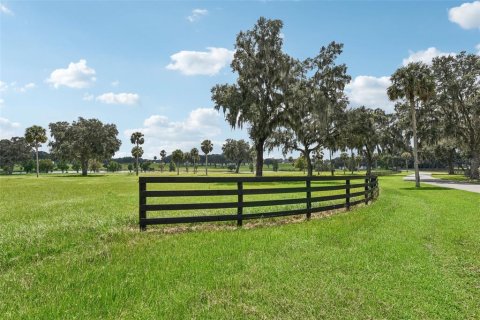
x: 368, y: 192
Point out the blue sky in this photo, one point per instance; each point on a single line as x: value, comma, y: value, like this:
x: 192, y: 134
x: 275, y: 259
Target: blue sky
x: 150, y: 66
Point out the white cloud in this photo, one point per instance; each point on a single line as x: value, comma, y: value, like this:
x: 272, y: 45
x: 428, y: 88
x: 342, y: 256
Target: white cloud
x: 88, y: 96
x: 26, y: 87
x: 5, y: 10
x: 201, y: 62
x: 119, y: 98
x: 76, y: 75
x: 197, y: 14
x: 478, y: 48
x: 466, y: 16
x: 2, y: 102
x: 425, y: 56
x: 8, y: 128
x: 115, y: 83
x: 13, y: 86
x: 370, y: 92
x: 162, y: 133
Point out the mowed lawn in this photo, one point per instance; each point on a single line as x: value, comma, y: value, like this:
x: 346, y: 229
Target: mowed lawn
x: 70, y: 248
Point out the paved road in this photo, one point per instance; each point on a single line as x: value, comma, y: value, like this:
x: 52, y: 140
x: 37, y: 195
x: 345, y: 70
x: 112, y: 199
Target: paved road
x: 426, y: 177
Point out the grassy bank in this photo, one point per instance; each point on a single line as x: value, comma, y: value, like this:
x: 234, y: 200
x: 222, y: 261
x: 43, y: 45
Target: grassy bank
x: 70, y: 248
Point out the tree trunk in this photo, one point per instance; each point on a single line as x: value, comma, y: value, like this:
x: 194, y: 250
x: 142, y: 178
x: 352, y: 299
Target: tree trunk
x: 451, y: 155
x: 259, y: 165
x: 332, y: 171
x: 178, y: 168
x: 206, y: 164
x: 237, y: 170
x: 415, y: 143
x: 84, y: 167
x: 352, y: 162
x: 309, y: 163
x: 474, y: 174
x: 36, y: 154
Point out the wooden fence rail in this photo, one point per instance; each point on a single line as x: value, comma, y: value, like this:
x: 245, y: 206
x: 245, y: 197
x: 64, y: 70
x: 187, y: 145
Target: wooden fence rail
x: 367, y: 185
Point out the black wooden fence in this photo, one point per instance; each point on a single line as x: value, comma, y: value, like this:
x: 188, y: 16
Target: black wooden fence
x: 367, y: 185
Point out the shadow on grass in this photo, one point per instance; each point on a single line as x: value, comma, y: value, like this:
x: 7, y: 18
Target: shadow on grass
x: 427, y: 188
x: 77, y: 176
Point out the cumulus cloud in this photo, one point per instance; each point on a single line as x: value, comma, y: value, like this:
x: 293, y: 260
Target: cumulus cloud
x: 5, y: 10
x: 370, y: 92
x: 197, y: 14
x: 466, y: 16
x: 201, y: 62
x: 162, y: 133
x: 425, y: 56
x: 119, y: 98
x: 77, y: 75
x: 8, y: 128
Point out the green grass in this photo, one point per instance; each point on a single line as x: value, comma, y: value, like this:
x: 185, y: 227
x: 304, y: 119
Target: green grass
x: 454, y: 177
x: 70, y: 248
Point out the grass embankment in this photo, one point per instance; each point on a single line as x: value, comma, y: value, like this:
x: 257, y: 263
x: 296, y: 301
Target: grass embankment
x: 70, y: 248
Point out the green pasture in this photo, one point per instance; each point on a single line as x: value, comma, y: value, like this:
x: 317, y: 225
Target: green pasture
x: 70, y: 249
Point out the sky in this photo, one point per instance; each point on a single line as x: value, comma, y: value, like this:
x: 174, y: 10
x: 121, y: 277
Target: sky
x: 149, y: 66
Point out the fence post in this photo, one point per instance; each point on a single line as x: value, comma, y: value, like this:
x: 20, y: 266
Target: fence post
x: 240, y: 204
x: 309, y: 198
x: 347, y: 194
x: 142, y: 186
x: 367, y: 182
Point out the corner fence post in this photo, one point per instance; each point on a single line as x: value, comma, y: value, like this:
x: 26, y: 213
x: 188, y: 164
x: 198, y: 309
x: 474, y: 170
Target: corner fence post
x: 240, y: 204
x: 142, y: 186
x: 309, y: 198
x: 367, y: 183
x: 347, y: 194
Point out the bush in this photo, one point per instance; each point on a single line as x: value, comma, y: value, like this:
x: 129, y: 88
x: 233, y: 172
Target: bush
x: 46, y: 165
x: 172, y: 167
x: 231, y: 167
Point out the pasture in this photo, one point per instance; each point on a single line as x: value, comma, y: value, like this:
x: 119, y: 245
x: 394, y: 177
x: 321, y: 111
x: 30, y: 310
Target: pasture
x: 70, y: 248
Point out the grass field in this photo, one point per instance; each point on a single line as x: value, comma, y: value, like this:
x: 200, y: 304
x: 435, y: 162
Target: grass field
x: 453, y: 177
x: 70, y: 248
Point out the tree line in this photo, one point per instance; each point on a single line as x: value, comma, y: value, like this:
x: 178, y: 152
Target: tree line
x: 301, y: 105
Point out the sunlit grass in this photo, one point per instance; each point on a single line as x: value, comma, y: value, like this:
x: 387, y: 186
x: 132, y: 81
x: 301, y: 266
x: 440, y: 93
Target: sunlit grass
x: 70, y: 248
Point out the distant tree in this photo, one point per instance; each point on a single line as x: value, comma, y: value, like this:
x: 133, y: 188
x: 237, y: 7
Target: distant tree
x: 94, y: 165
x: 236, y: 151
x: 177, y: 158
x: 171, y: 166
x: 206, y: 147
x: 35, y: 136
x: 46, y: 165
x: 83, y: 140
x: 458, y: 103
x: 145, y: 166
x: 62, y: 165
x: 28, y: 166
x: 344, y: 158
x: 186, y: 160
x: 163, y: 155
x: 114, y: 166
x: 257, y: 99
x: 300, y: 164
x: 76, y: 166
x: 195, y: 157
x: 415, y: 84
x: 154, y: 158
x: 13, y: 151
x: 130, y: 167
x: 137, y: 153
x: 275, y: 165
x: 406, y: 156
x: 366, y: 127
x: 137, y: 139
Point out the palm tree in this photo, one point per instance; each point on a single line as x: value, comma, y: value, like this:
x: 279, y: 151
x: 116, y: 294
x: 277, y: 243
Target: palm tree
x: 35, y: 135
x: 137, y: 139
x: 406, y: 156
x: 414, y: 82
x: 206, y: 147
x: 344, y: 158
x: 163, y: 154
x: 195, y: 157
x: 177, y: 158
